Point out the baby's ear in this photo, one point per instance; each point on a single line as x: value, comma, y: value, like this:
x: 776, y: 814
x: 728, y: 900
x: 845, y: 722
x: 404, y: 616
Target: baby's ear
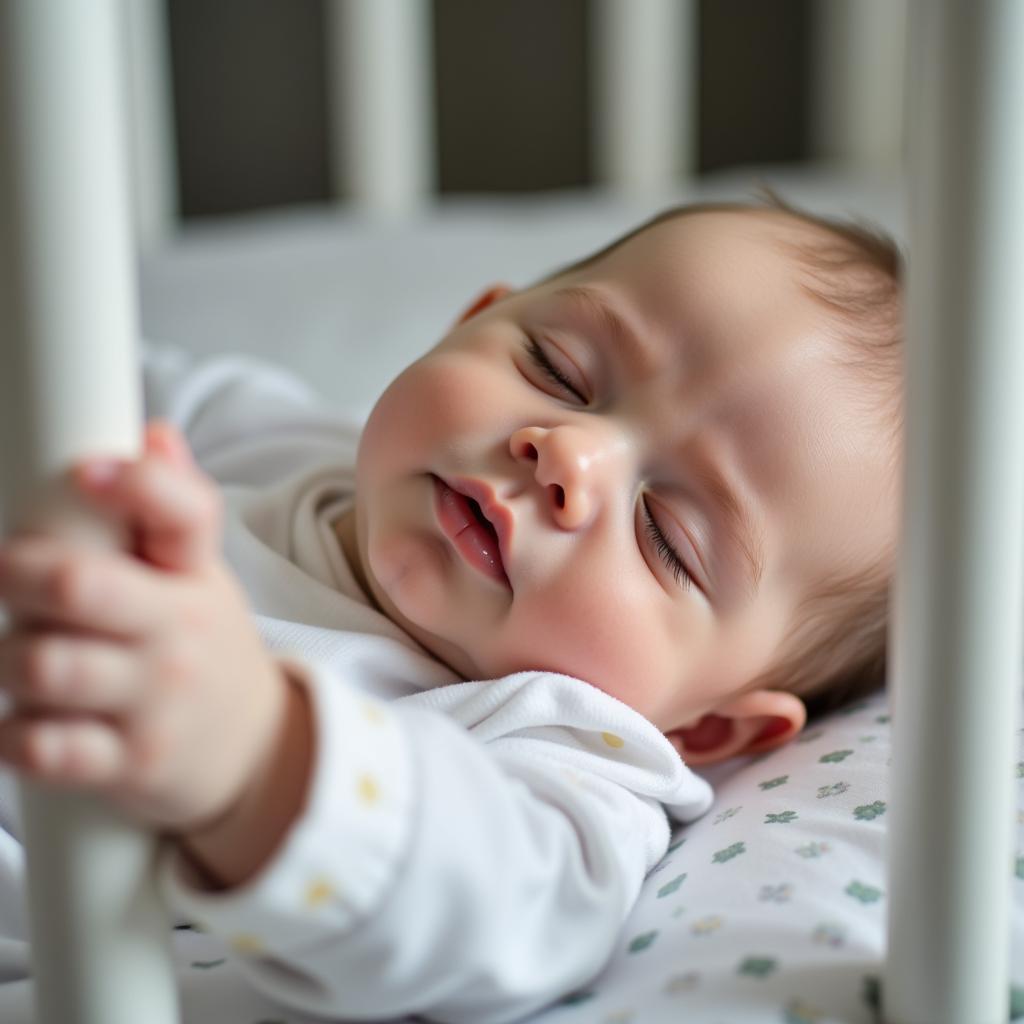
x: 750, y: 724
x: 485, y: 299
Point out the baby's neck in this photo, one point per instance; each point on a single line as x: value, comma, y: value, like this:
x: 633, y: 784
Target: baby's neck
x: 345, y: 530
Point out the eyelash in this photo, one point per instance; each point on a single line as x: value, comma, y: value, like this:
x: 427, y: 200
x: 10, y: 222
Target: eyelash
x: 668, y: 554
x: 540, y: 358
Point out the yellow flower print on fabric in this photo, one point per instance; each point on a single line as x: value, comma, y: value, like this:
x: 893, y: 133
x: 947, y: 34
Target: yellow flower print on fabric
x: 367, y: 789
x: 319, y: 892
x: 247, y: 945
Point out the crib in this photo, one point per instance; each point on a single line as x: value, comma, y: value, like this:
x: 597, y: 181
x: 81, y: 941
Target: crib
x: 919, y: 927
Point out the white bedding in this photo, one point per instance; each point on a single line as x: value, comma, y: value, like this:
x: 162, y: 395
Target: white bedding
x: 770, y: 908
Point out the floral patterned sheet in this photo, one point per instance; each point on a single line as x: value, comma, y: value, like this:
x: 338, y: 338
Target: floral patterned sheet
x: 771, y: 908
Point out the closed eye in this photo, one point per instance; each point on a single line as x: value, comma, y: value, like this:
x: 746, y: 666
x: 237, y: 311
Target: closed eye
x: 552, y: 372
x: 668, y: 554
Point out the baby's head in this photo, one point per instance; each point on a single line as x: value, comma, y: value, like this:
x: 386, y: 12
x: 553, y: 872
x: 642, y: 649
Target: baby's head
x: 671, y: 470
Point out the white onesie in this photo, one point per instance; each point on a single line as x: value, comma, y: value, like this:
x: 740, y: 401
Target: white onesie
x: 468, y: 851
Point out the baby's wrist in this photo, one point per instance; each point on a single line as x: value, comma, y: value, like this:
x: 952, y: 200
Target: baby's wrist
x: 233, y: 846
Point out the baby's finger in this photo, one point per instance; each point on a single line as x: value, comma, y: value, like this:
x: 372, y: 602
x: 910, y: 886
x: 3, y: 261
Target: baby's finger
x: 175, y: 511
x: 76, y: 751
x: 49, y: 672
x: 164, y: 439
x: 45, y: 580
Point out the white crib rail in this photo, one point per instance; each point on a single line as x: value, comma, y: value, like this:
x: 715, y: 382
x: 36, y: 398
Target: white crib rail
x: 151, y: 120
x: 644, y: 93
x: 70, y: 386
x: 958, y: 611
x: 857, y: 82
x: 382, y: 98
x: 381, y: 102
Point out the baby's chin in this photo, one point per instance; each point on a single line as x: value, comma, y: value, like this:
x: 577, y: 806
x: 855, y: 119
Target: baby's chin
x: 470, y: 665
x: 449, y: 653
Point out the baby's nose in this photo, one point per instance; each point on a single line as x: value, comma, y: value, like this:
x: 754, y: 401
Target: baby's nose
x: 572, y: 464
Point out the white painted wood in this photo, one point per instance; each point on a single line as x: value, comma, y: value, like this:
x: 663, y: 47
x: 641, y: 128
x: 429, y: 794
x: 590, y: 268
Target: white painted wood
x: 857, y: 77
x: 380, y: 60
x: 70, y: 385
x: 644, y: 93
x: 958, y: 606
x: 151, y: 122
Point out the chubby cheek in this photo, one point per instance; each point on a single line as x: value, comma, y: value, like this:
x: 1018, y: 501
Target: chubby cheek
x: 618, y: 638
x: 435, y: 408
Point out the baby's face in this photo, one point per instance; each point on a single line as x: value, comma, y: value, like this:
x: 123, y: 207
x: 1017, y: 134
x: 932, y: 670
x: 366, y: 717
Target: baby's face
x: 661, y: 503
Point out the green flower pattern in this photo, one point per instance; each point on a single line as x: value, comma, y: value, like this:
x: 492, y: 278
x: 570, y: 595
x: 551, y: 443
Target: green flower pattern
x: 868, y: 812
x: 836, y: 757
x: 758, y: 967
x: 764, y: 867
x: 728, y: 853
x: 642, y: 942
x: 864, y: 893
x: 670, y: 887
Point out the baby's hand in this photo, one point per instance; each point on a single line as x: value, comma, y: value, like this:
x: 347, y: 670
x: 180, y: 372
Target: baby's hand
x: 138, y: 676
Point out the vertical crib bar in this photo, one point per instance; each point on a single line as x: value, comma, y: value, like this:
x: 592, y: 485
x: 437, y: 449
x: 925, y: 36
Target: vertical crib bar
x: 382, y: 103
x: 857, y: 82
x: 100, y: 940
x: 645, y: 65
x: 154, y: 176
x: 958, y: 608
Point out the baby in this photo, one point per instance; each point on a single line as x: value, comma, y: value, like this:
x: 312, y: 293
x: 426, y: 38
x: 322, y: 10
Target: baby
x: 637, y: 517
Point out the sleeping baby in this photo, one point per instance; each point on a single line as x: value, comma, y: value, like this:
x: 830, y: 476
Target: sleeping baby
x: 413, y: 709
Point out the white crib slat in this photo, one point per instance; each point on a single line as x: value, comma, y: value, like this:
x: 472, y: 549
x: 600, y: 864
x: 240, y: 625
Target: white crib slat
x: 382, y: 103
x: 644, y: 60
x: 100, y: 939
x: 958, y: 609
x: 151, y: 122
x: 857, y: 82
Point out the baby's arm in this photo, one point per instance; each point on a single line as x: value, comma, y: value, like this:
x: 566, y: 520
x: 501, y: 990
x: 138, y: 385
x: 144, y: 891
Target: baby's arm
x: 432, y: 873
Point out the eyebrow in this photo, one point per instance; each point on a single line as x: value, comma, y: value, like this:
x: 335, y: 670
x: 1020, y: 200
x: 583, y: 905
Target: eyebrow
x: 593, y: 304
x: 739, y: 522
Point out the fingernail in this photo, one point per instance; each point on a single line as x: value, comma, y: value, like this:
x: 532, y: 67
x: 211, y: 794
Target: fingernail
x: 100, y: 472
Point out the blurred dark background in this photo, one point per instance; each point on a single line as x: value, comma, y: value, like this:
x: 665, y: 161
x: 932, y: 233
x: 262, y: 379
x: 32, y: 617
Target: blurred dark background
x: 250, y: 95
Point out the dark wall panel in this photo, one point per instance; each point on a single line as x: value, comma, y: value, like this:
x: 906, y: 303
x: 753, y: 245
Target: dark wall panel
x: 250, y: 103
x: 511, y: 79
x: 512, y: 94
x: 755, y: 60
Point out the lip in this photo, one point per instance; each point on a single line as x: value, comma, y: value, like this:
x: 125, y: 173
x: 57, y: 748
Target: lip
x: 469, y: 537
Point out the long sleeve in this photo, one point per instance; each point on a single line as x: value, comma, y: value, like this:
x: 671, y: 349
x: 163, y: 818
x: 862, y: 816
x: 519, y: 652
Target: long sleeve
x: 248, y: 421
x: 468, y: 853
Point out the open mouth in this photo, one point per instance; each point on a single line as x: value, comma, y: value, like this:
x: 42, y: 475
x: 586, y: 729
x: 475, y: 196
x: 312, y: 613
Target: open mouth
x: 477, y: 511
x: 471, y: 533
